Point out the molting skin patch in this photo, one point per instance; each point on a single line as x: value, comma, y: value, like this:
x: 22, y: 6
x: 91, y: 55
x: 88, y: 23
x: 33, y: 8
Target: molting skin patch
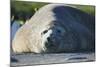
x: 51, y: 33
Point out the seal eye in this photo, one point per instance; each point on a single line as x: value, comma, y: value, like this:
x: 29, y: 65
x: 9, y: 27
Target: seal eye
x: 59, y: 31
x: 45, y: 31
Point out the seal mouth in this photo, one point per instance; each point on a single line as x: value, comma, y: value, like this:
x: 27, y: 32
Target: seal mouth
x: 50, y: 45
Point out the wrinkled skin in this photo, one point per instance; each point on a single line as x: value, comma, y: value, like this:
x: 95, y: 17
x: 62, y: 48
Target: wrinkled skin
x: 56, y: 28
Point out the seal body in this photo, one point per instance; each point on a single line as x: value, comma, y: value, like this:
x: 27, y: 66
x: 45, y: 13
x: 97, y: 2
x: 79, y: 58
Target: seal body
x: 56, y: 28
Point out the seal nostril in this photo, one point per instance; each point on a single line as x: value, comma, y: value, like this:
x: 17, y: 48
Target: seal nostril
x: 48, y: 38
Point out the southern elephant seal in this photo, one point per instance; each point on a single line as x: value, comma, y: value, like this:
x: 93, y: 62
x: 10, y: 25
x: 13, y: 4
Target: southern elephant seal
x: 56, y: 28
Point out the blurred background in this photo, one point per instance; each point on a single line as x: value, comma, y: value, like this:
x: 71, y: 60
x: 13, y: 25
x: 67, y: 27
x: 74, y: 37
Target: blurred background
x: 21, y: 11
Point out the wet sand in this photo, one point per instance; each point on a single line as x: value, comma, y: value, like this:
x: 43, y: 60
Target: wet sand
x: 40, y: 59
